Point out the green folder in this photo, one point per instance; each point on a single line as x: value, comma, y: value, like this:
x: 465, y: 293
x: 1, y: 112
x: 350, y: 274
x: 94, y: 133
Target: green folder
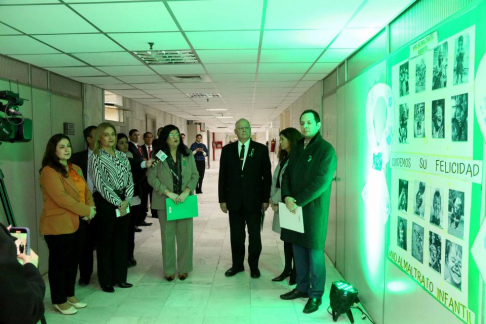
x: 187, y: 209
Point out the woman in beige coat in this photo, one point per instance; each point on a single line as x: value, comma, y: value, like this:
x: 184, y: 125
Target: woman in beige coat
x: 174, y: 177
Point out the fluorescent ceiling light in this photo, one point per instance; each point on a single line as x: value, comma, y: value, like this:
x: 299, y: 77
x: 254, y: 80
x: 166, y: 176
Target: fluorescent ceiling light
x: 216, y: 109
x: 223, y: 117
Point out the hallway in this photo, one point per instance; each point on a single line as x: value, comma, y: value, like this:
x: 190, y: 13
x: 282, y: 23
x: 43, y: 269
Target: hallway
x: 207, y: 296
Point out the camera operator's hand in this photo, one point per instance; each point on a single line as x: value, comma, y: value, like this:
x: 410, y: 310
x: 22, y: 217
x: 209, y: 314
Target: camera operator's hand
x: 32, y: 258
x: 92, y: 212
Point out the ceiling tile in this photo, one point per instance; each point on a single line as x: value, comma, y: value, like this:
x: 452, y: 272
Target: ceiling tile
x: 289, y: 55
x: 154, y: 86
x: 309, y: 14
x: 120, y: 86
x: 76, y: 71
x: 323, y: 67
x: 108, y: 58
x: 141, y: 79
x: 49, y: 60
x: 5, y: 30
x: 279, y: 77
x: 276, y: 84
x: 378, y: 13
x: 162, y: 41
x: 129, y: 17
x: 218, y: 14
x: 97, y: 80
x: 314, y: 77
x: 164, y: 91
x: 23, y: 45
x: 234, y: 84
x: 233, y: 77
x: 224, y: 39
x: 305, y: 84
x: 336, y: 55
x: 283, y: 67
x: 45, y: 19
x: 231, y: 68
x: 289, y: 39
x: 188, y: 85
x: 354, y: 37
x: 129, y: 92
x: 17, y: 2
x: 179, y: 69
x: 79, y: 43
x: 127, y: 70
x: 228, y: 56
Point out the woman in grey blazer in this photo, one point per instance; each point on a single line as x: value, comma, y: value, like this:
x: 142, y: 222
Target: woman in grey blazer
x: 175, y: 177
x: 288, y: 139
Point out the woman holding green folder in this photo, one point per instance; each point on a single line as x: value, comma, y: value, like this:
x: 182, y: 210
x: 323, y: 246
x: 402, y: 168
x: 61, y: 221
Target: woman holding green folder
x: 174, y: 177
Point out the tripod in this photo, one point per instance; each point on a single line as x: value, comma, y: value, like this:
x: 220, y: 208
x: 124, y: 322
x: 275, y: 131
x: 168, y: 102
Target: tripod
x: 9, y: 213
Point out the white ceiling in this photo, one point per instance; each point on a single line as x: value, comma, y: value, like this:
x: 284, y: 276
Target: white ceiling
x: 260, y: 55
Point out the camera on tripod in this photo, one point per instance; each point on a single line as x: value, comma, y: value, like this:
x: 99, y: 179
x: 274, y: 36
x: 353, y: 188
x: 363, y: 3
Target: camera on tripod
x: 13, y: 126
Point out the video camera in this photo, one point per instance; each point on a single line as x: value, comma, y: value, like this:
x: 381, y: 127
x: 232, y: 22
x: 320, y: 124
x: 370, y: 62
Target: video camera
x: 13, y: 126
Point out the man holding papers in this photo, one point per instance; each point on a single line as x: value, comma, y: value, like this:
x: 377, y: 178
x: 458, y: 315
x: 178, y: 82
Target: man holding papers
x: 174, y: 178
x: 244, y: 184
x: 306, y: 184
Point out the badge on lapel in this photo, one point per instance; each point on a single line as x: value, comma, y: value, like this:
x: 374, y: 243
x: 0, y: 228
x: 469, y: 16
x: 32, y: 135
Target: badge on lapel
x: 252, y: 151
x: 310, y: 158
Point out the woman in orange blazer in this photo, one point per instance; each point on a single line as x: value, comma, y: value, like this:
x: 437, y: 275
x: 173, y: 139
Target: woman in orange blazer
x: 66, y: 200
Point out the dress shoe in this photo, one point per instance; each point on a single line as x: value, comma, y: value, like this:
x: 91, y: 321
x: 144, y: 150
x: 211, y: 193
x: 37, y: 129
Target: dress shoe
x: 132, y: 262
x: 169, y: 278
x: 125, y: 285
x: 144, y: 223
x: 108, y: 289
x: 232, y: 271
x: 312, y: 305
x: 83, y: 282
x: 78, y: 304
x: 183, y: 276
x: 294, y: 294
x: 70, y: 311
x: 282, y: 276
x: 293, y: 278
x: 255, y: 273
x: 137, y: 229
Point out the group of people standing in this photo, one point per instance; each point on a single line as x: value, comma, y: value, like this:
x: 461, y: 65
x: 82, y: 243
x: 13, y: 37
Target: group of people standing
x: 95, y: 198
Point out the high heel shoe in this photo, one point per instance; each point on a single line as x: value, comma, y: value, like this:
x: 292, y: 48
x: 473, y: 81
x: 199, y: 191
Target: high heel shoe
x: 282, y: 276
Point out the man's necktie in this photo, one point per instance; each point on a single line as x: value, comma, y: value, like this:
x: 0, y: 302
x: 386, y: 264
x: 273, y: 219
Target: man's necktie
x: 242, y: 154
x: 140, y: 150
x: 149, y: 151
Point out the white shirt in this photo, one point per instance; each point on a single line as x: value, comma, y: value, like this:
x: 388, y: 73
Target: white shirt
x: 149, y: 150
x: 247, y: 145
x: 88, y: 181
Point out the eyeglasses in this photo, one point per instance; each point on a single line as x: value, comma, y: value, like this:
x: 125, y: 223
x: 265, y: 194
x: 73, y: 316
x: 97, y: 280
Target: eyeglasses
x: 174, y: 134
x: 243, y: 128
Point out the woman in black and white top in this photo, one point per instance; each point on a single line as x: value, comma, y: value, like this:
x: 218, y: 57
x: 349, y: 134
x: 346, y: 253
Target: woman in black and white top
x: 113, y: 189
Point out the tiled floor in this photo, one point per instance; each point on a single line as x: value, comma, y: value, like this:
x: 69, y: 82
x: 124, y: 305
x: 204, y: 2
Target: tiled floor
x: 207, y: 296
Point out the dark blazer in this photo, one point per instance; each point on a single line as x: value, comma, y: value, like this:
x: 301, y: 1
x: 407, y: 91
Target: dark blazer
x: 138, y: 174
x: 134, y: 149
x: 81, y: 160
x: 22, y: 290
x: 145, y: 151
x: 245, y: 189
x: 308, y: 180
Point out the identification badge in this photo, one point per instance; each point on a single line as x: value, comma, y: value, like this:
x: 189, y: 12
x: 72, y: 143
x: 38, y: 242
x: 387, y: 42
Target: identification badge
x: 161, y: 156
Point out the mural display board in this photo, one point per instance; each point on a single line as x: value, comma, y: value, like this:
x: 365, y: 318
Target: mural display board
x: 436, y: 168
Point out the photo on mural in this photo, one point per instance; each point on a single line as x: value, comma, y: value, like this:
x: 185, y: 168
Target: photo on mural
x: 438, y: 118
x: 436, y: 209
x: 404, y: 76
x: 403, y: 121
x: 459, y: 118
x: 403, y: 195
x: 453, y: 264
x: 402, y: 233
x: 418, y: 242
x: 439, y: 79
x: 420, y: 72
x: 461, y: 59
x: 419, y: 120
x: 435, y: 251
x: 456, y: 213
x: 419, y: 202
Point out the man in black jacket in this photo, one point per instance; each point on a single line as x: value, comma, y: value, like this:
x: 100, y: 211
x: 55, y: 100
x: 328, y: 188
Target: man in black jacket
x: 22, y: 289
x: 244, y: 190
x: 306, y: 184
x: 81, y: 160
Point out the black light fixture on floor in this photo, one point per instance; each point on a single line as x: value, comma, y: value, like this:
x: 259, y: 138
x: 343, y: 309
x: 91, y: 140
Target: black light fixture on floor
x: 342, y: 297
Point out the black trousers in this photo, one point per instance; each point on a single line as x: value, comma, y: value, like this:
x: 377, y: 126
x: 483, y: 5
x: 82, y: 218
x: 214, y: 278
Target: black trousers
x: 142, y: 213
x: 201, y: 169
x: 88, y: 241
x: 131, y: 230
x: 151, y: 194
x: 238, y: 221
x: 111, y: 245
x: 64, y: 254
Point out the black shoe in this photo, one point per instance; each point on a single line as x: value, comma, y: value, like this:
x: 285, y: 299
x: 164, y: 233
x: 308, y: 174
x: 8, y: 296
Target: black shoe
x: 282, y: 276
x: 125, y: 285
x: 144, y: 223
x: 108, y: 289
x: 83, y: 282
x: 255, y: 273
x: 312, y: 305
x: 232, y: 271
x: 293, y: 278
x: 294, y: 294
x: 132, y: 262
x: 137, y: 230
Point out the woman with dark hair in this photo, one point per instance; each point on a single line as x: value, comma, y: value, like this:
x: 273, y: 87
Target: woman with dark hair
x: 109, y: 170
x: 66, y: 199
x: 288, y: 139
x: 136, y: 165
x: 175, y: 177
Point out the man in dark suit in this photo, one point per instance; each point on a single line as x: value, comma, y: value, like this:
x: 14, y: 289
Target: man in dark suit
x: 81, y: 160
x: 244, y: 190
x: 137, y: 152
x: 306, y: 184
x: 155, y: 142
x: 147, y: 150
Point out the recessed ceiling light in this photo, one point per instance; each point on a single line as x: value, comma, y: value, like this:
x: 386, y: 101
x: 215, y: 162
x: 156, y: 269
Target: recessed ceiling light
x: 223, y: 117
x: 203, y: 95
x: 216, y: 109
